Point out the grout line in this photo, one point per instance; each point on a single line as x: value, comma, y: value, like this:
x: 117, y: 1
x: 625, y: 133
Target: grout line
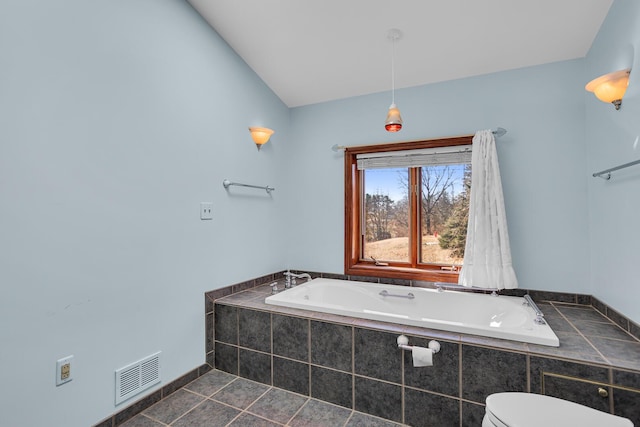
x: 382, y: 381
x: 402, y: 387
x: 473, y: 402
x: 272, y: 353
x: 257, y: 416
x: 247, y: 411
x: 251, y: 349
x: 238, y: 341
x: 213, y: 399
x: 460, y: 377
x: 234, y: 418
x: 187, y: 412
x: 346, y: 423
x: 308, y: 327
x: 154, y: 419
x: 353, y: 367
x: 435, y: 393
x: 194, y: 393
x: 460, y: 370
x: 528, y: 367
x: 299, y: 410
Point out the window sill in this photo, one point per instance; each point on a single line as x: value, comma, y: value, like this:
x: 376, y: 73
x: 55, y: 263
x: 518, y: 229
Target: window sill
x: 395, y: 272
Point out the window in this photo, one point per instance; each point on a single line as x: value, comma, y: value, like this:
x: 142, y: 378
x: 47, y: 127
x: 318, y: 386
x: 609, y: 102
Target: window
x: 406, y: 209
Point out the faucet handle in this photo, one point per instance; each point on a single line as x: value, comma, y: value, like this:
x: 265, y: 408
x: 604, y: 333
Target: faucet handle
x: 274, y: 288
x: 287, y: 280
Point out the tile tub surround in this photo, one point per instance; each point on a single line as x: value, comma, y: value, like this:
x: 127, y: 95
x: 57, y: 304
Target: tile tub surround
x: 353, y: 362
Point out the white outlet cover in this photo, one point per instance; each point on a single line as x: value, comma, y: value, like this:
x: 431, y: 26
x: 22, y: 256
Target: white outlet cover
x: 59, y: 364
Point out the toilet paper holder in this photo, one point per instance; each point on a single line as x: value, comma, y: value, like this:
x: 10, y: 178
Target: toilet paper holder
x: 403, y: 343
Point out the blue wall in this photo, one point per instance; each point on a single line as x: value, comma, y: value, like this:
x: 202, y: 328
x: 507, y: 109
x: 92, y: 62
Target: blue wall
x: 542, y: 160
x: 117, y: 118
x: 613, y: 138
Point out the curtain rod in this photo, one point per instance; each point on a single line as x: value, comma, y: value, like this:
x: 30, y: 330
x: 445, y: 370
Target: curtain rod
x: 497, y: 132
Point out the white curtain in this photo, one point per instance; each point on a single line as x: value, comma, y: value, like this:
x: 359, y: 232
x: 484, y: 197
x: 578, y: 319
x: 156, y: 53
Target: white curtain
x: 487, y: 255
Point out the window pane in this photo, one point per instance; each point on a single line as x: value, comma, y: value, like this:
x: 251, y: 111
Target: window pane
x: 386, y: 214
x: 444, y: 213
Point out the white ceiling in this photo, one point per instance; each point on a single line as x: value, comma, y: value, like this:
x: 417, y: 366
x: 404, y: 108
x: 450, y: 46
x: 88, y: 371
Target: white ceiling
x: 310, y: 51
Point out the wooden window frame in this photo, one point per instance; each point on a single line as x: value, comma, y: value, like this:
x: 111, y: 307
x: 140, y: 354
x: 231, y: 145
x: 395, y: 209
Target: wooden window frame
x: 353, y: 265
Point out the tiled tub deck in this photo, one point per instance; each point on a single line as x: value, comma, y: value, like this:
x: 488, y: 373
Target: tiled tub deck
x: 355, y: 363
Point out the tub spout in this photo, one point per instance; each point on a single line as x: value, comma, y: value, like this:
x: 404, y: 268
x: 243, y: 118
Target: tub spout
x: 290, y: 278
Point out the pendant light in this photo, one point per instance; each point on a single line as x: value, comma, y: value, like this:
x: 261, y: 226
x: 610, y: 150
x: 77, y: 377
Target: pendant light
x: 394, y: 120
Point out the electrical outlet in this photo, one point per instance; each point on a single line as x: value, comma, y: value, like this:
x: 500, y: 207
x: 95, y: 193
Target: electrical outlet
x: 63, y: 370
x: 206, y: 210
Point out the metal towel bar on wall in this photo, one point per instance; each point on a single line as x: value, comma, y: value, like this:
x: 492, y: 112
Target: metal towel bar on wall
x: 606, y: 174
x: 226, y: 184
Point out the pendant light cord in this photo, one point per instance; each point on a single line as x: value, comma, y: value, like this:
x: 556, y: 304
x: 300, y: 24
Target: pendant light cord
x: 393, y: 69
x: 393, y: 35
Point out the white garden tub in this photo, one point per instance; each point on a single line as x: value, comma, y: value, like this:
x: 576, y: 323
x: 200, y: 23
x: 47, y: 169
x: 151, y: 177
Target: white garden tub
x: 463, y: 312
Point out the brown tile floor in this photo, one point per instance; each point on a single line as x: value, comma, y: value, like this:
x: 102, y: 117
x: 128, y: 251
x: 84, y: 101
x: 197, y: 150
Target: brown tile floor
x: 221, y: 399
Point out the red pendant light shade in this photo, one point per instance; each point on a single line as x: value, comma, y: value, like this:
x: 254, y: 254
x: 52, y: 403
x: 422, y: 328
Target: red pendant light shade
x: 394, y: 120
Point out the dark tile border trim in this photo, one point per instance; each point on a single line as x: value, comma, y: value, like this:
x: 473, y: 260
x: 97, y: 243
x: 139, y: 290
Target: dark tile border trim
x: 619, y: 319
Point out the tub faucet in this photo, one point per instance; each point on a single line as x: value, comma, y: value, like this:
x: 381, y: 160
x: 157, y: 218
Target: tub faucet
x: 290, y: 278
x: 274, y: 288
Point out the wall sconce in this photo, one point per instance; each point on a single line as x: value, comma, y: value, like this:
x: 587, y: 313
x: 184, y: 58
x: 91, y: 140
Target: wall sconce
x: 260, y: 135
x: 610, y: 87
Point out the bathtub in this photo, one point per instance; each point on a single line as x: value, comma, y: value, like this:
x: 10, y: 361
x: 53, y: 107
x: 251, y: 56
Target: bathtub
x: 463, y: 312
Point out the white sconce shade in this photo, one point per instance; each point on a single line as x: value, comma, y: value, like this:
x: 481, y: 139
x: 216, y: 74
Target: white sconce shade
x: 260, y: 135
x: 610, y: 87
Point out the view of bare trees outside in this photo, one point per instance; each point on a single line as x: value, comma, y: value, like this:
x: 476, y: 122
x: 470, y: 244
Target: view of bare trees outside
x: 444, y: 212
x: 387, y: 214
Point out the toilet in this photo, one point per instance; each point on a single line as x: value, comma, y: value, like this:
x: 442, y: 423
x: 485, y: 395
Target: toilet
x: 535, y: 410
